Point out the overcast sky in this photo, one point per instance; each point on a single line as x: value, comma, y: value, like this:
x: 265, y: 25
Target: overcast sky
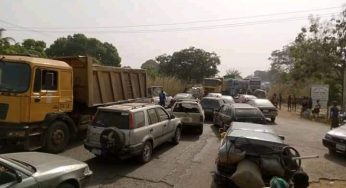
x: 242, y: 32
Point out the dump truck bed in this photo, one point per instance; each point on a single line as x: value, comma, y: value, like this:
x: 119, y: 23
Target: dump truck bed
x: 96, y: 85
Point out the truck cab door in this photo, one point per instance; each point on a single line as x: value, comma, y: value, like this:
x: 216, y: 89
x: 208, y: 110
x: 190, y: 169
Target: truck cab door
x: 45, y: 95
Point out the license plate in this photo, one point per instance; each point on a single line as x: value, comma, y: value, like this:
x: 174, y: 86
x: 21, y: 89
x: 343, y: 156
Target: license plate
x: 96, y: 151
x: 340, y: 147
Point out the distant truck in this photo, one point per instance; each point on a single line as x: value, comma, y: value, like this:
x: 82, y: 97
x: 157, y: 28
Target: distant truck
x: 212, y: 85
x: 46, y: 102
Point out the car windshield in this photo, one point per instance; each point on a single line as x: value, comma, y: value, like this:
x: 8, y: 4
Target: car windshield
x: 14, y: 77
x: 21, y: 164
x: 112, y: 119
x: 210, y: 103
x: 246, y: 112
x: 186, y: 107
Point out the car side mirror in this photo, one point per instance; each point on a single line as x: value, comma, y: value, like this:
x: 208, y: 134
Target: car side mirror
x: 19, y: 178
x: 221, y: 130
x: 172, y: 116
x: 281, y: 137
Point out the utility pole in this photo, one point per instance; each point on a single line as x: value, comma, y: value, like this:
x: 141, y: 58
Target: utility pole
x: 343, y: 52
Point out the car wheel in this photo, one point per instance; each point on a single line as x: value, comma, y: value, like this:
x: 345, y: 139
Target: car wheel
x: 146, y: 153
x: 272, y: 119
x: 66, y: 185
x: 57, y: 137
x: 200, y: 130
x: 177, y: 136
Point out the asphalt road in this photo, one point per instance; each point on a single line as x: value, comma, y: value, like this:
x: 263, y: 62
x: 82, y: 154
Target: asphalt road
x: 192, y: 162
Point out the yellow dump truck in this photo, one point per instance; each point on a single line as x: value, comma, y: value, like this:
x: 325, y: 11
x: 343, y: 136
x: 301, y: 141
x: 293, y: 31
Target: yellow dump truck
x: 45, y: 102
x: 212, y: 85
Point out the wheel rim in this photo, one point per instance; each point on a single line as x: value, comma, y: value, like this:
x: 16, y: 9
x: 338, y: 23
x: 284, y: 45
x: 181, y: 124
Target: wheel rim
x: 177, y: 135
x: 146, y: 152
x: 58, y: 137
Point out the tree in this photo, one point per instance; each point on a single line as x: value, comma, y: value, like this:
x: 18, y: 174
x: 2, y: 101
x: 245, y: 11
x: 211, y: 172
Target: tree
x: 191, y: 64
x: 233, y: 73
x: 79, y: 44
x: 152, y: 68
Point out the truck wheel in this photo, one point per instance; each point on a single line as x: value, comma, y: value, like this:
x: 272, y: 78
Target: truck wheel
x: 177, y: 135
x: 57, y: 137
x: 146, y: 153
x: 272, y: 119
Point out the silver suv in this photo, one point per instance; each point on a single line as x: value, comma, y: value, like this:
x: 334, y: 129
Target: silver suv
x: 131, y: 129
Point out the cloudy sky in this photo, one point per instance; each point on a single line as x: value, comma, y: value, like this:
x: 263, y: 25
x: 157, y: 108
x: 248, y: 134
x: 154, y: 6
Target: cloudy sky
x: 242, y: 32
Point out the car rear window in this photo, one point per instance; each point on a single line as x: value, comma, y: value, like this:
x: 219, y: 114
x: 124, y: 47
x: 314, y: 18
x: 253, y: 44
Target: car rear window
x: 246, y: 112
x: 186, y: 107
x: 210, y: 103
x: 112, y: 119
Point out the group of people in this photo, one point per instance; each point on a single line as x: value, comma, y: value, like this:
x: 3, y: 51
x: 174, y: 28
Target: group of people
x: 307, y: 107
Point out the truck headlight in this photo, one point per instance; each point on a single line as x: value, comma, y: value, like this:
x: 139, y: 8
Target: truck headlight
x: 16, y: 134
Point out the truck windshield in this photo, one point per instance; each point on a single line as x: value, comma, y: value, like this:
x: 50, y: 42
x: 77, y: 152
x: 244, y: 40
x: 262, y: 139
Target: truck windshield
x: 211, y: 82
x: 14, y: 77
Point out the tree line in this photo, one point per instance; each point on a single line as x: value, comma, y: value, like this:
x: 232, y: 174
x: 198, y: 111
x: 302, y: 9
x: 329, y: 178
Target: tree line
x: 317, y: 55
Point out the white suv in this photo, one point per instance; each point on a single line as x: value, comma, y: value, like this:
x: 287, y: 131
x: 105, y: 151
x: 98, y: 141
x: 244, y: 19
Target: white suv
x: 191, y: 114
x: 131, y: 129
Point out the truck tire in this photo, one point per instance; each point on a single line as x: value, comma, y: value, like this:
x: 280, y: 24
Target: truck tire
x: 146, y: 152
x: 57, y: 137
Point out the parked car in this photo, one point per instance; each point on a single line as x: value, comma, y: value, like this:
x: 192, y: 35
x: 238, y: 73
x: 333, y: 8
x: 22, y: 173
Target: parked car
x: 191, y: 114
x: 267, y: 108
x: 214, y: 95
x: 181, y: 96
x: 238, y: 112
x: 210, y: 104
x: 335, y: 140
x: 131, y: 129
x: 246, y: 98
x: 156, y: 100
x: 33, y: 169
x: 254, y: 151
x: 228, y: 99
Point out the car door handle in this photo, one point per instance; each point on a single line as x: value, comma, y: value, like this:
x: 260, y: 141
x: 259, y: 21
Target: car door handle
x: 151, y: 130
x: 165, y: 125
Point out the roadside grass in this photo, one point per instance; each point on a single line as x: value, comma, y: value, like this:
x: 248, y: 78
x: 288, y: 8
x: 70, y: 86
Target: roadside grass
x: 171, y: 85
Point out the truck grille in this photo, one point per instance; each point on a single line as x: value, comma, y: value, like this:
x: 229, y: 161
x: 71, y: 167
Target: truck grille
x: 3, y: 110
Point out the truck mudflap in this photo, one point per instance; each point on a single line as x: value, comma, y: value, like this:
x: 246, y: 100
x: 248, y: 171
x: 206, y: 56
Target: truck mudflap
x: 21, y: 136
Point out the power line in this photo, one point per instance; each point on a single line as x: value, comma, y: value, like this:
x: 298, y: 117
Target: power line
x: 27, y: 29
x: 205, y: 27
x: 186, y: 23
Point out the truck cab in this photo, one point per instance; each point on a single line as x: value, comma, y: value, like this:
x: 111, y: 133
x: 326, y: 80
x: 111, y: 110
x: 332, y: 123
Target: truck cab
x: 30, y: 90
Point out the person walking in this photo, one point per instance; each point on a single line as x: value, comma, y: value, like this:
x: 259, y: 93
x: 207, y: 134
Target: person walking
x: 316, y: 110
x: 304, y: 107
x: 334, y: 115
x: 162, y: 97
x: 274, y: 100
x: 289, y: 103
x: 294, y: 103
x: 280, y: 100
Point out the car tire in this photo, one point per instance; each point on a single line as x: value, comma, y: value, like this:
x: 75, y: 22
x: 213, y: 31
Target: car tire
x: 146, y: 152
x: 200, y: 130
x: 66, y: 185
x: 272, y: 119
x: 57, y: 137
x: 177, y: 136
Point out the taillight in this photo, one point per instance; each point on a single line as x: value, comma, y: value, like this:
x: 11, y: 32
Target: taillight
x: 131, y: 123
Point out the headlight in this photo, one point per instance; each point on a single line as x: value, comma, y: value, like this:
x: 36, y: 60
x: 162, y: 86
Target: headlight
x: 16, y: 134
x: 328, y: 137
x: 87, y: 171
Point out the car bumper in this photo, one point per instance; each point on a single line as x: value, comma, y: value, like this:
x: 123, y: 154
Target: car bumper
x: 334, y: 145
x: 125, y: 152
x: 84, y: 181
x: 189, y: 124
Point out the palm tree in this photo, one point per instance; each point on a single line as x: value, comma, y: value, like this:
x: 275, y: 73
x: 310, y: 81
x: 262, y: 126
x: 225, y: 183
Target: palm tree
x: 5, y: 40
x: 233, y: 73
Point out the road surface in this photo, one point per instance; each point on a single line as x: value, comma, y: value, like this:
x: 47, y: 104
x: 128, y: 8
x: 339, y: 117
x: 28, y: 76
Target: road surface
x: 192, y: 162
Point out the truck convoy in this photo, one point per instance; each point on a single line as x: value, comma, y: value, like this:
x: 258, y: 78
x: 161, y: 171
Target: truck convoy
x: 45, y: 102
x: 212, y: 85
x: 234, y: 87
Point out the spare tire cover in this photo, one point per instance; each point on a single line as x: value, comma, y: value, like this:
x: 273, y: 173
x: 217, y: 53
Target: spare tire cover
x: 112, y: 140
